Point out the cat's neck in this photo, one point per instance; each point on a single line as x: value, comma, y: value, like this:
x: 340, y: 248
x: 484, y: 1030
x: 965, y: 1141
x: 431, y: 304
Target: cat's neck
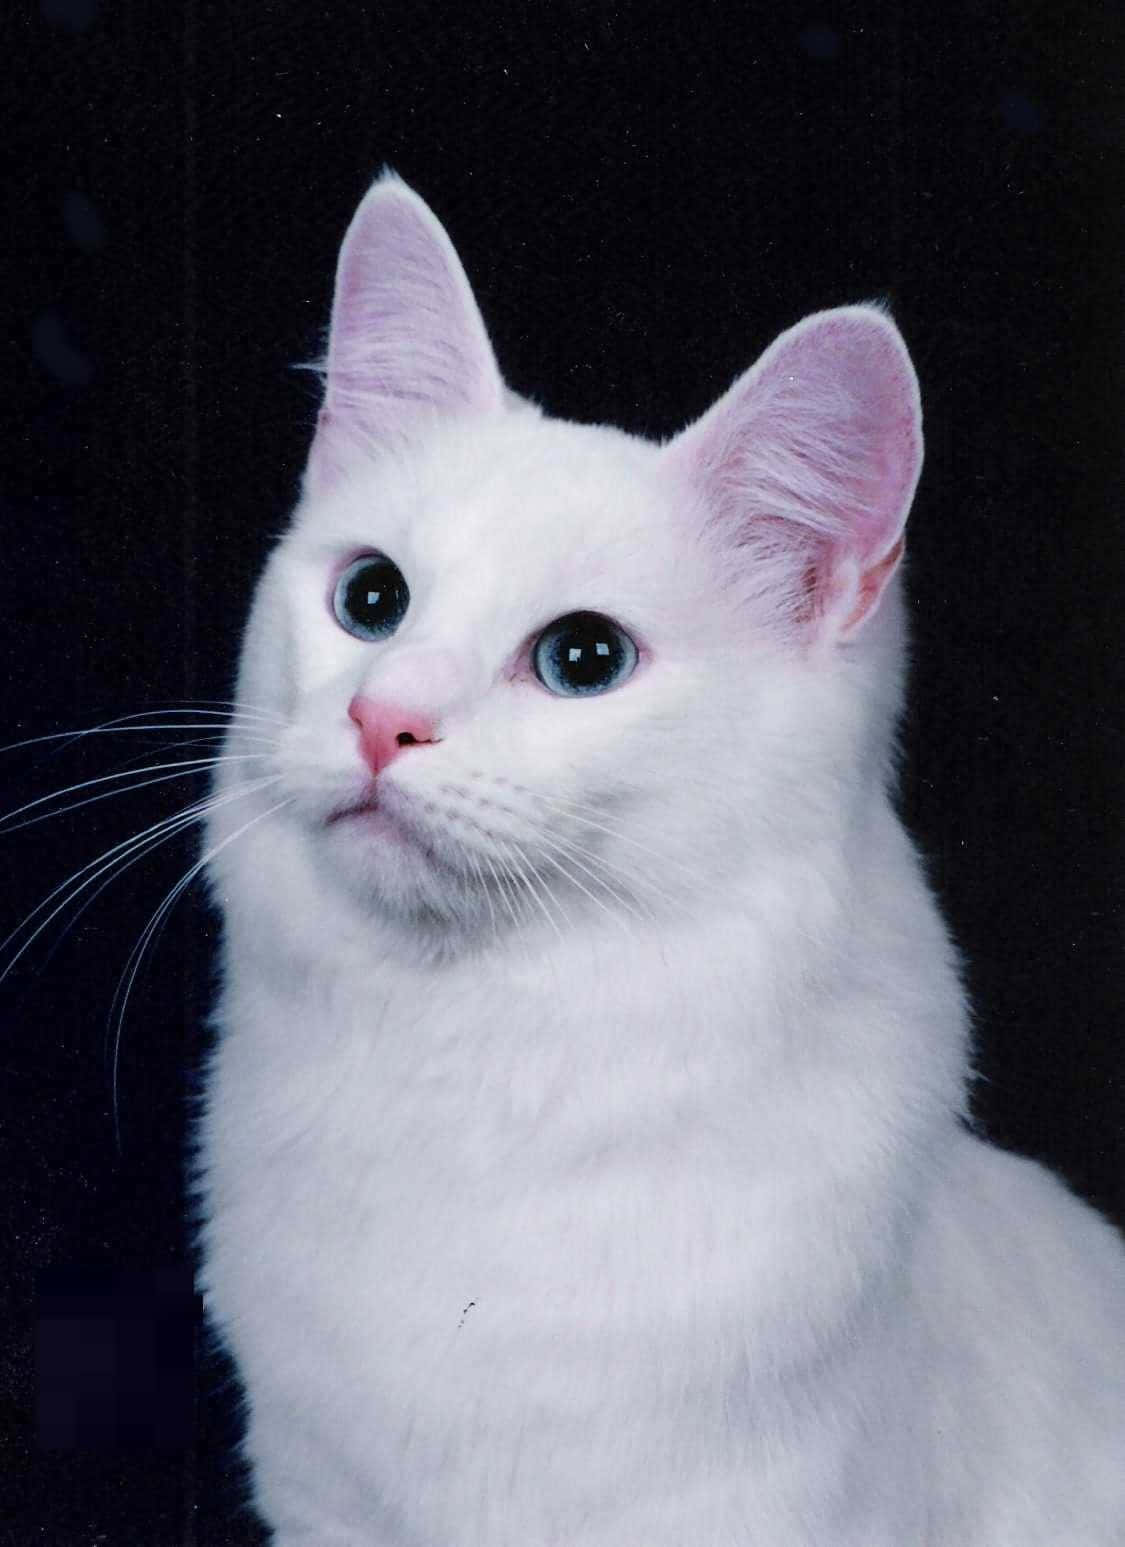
x: 800, y: 1045
x: 837, y: 951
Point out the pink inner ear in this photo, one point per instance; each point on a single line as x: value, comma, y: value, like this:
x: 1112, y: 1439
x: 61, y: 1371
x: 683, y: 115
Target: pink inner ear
x: 407, y: 339
x: 863, y: 594
x: 807, y: 466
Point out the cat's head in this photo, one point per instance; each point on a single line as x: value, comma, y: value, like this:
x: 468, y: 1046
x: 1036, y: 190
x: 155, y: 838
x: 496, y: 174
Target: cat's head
x: 532, y: 670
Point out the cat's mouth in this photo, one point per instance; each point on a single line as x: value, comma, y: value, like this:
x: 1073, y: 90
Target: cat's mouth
x: 368, y: 806
x: 377, y: 818
x: 372, y: 816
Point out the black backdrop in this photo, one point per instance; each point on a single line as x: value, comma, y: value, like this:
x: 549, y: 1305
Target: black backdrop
x: 642, y: 197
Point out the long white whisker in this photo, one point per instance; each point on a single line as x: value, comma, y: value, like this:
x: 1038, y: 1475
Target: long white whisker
x: 228, y: 710
x: 478, y: 871
x: 597, y: 901
x: 133, y: 965
x: 466, y: 891
x: 125, y: 850
x: 598, y: 880
x: 123, y: 724
x: 261, y: 710
x: 218, y: 740
x: 189, y: 764
x: 550, y: 890
x: 177, y: 825
x: 512, y: 849
x: 629, y: 879
x: 575, y: 812
x: 115, y: 730
x: 538, y: 879
x: 502, y: 890
x: 125, y: 789
x: 107, y: 855
x: 511, y: 883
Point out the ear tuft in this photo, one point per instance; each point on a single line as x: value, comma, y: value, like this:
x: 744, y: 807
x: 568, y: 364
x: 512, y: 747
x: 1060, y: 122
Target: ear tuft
x: 407, y: 342
x: 806, y: 468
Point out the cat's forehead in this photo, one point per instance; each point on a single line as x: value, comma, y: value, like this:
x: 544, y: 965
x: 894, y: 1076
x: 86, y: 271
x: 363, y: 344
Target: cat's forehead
x: 555, y: 501
x: 563, y: 488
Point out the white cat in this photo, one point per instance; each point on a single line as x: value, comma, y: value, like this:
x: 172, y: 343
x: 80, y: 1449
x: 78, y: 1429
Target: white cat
x: 584, y: 1158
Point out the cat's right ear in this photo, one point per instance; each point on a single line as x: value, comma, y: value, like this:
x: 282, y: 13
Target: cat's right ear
x: 407, y: 343
x: 803, y: 472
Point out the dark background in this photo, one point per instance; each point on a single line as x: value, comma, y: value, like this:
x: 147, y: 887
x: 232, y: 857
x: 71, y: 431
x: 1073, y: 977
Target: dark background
x: 643, y: 197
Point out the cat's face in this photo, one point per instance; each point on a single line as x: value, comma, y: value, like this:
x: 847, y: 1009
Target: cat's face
x: 529, y: 670
x: 545, y: 773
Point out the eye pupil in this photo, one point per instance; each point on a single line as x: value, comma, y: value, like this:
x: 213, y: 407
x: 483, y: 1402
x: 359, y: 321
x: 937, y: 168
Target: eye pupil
x: 583, y: 653
x: 371, y: 597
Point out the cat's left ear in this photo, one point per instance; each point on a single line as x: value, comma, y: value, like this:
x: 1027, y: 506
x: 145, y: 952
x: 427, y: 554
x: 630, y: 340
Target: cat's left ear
x: 407, y: 343
x: 805, y: 469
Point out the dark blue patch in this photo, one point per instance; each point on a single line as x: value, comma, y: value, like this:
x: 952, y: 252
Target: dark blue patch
x: 53, y: 347
x: 115, y: 1359
x: 820, y: 41
x: 84, y: 225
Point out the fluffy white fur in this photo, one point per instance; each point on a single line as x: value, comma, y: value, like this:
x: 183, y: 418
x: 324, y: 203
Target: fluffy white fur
x: 584, y: 1159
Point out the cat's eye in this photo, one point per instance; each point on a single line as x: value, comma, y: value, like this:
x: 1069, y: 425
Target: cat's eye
x: 583, y: 653
x: 370, y: 597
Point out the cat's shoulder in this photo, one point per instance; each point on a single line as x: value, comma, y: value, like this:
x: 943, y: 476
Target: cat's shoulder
x: 1021, y: 1287
x: 1002, y: 1220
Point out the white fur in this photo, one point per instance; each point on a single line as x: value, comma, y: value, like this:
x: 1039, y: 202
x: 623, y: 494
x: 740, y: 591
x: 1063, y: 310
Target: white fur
x: 625, y: 1201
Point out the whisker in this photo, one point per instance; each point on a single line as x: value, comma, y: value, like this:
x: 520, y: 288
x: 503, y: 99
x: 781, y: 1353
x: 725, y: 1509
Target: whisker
x: 502, y: 889
x: 629, y: 879
x: 123, y: 724
x: 194, y: 765
x: 574, y: 881
x: 479, y: 873
x: 180, y: 824
x: 199, y: 741
x: 574, y: 811
x: 216, y: 740
x: 109, y: 730
x: 552, y: 891
x: 227, y: 709
x: 531, y: 889
x: 125, y: 789
x: 466, y: 892
x: 125, y: 850
x: 598, y: 880
x: 538, y: 879
x: 512, y: 883
x: 262, y: 710
x: 132, y: 966
x: 512, y: 886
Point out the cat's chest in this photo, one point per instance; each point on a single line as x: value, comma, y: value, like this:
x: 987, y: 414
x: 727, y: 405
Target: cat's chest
x: 498, y: 1154
x: 551, y: 1218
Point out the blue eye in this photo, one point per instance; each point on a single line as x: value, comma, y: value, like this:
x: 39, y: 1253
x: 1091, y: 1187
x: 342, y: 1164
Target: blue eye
x: 583, y: 653
x: 371, y: 597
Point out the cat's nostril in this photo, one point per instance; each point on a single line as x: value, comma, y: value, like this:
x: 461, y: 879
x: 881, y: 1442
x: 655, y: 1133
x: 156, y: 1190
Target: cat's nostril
x: 385, y: 728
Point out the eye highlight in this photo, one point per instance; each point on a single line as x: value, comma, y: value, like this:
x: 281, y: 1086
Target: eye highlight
x: 370, y: 598
x: 583, y: 653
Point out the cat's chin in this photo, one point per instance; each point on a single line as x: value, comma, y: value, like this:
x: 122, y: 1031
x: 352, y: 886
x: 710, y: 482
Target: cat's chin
x: 386, y: 862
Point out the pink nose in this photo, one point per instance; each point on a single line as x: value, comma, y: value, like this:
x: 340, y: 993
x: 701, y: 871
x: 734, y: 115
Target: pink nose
x: 384, y: 729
